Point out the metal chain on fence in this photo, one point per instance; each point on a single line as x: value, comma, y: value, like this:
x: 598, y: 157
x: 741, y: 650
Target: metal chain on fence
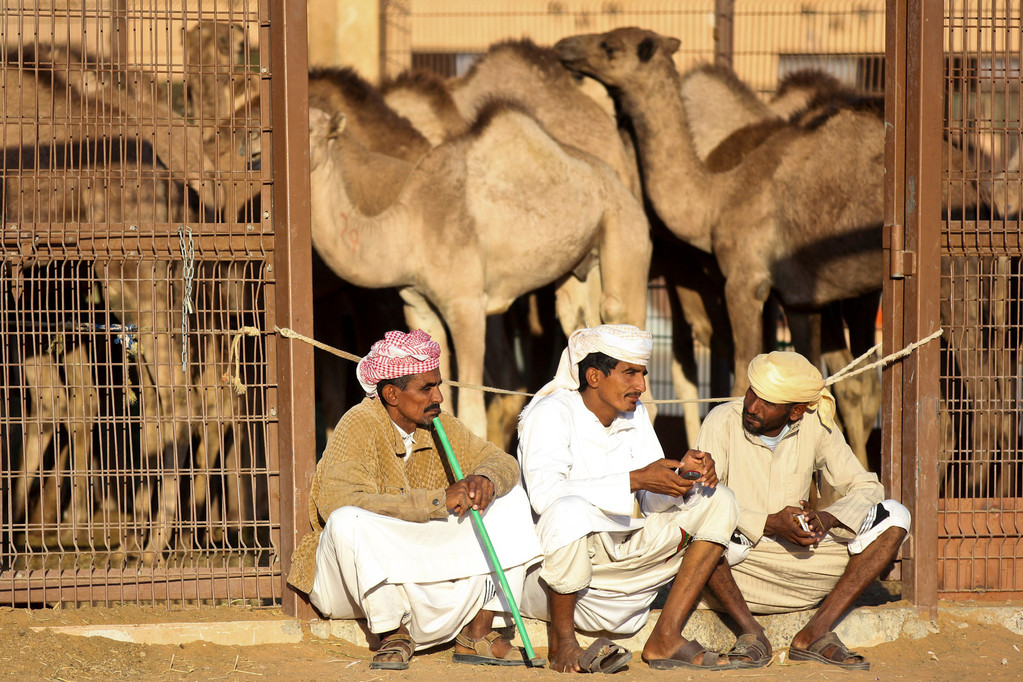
x: 187, y: 272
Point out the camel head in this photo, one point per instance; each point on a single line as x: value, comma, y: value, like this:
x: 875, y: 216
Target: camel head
x: 615, y: 57
x: 323, y: 128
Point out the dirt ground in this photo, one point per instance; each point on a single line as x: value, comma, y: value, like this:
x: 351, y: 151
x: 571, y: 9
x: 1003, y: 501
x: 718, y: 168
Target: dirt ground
x: 962, y: 650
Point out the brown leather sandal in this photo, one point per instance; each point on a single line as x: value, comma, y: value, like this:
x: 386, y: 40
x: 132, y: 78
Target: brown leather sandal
x: 484, y: 654
x: 401, y: 645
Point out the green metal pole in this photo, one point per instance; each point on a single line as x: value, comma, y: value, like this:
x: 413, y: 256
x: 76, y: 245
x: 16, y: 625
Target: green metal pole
x: 489, y: 546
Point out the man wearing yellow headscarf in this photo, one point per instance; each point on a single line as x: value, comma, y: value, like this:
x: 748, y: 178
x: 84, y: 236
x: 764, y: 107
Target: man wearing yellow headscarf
x: 786, y: 555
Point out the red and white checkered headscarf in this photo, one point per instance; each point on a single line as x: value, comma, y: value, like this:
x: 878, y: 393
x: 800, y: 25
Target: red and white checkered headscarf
x: 397, y: 355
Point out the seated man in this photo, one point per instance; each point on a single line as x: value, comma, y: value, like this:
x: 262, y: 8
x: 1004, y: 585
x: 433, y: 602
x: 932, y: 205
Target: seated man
x: 390, y: 543
x: 767, y: 448
x: 588, y: 451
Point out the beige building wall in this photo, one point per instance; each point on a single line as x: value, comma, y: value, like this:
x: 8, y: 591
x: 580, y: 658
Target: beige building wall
x: 345, y: 33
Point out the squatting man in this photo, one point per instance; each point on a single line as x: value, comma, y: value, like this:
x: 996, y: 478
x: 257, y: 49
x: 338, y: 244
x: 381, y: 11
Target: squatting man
x: 589, y: 454
x: 786, y: 555
x: 392, y: 542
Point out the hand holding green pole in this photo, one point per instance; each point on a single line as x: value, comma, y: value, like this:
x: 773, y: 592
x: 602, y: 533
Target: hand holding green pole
x: 478, y: 522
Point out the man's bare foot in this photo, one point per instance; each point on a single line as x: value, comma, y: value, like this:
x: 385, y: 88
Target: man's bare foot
x: 565, y: 659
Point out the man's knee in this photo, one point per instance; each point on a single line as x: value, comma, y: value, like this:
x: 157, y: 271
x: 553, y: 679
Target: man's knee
x: 898, y: 513
x: 341, y: 524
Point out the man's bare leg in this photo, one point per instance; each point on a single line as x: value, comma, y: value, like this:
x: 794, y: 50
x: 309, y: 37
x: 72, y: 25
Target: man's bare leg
x: 863, y: 568
x: 563, y: 650
x: 722, y: 585
x: 479, y: 627
x: 699, y: 562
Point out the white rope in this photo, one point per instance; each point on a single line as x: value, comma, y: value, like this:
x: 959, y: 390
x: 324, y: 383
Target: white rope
x: 841, y: 375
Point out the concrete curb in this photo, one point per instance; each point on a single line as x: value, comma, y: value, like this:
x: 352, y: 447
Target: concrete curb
x: 229, y: 633
x: 863, y: 627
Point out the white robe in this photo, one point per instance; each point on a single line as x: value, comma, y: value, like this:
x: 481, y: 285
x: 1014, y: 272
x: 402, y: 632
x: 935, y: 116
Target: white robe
x: 432, y: 577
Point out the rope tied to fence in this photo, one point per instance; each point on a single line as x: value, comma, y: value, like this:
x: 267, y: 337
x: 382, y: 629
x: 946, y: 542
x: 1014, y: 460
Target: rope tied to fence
x: 846, y: 372
x: 235, y: 357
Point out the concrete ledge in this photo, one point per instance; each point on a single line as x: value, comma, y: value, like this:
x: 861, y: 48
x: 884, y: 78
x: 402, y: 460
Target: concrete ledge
x: 865, y: 626
x: 230, y: 633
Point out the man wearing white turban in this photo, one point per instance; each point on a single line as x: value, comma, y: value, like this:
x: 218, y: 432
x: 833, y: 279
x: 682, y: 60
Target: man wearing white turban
x: 588, y: 454
x: 390, y: 540
x: 785, y: 555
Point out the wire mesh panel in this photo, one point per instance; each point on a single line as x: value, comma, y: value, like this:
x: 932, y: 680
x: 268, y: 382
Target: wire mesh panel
x: 138, y: 444
x: 980, y: 550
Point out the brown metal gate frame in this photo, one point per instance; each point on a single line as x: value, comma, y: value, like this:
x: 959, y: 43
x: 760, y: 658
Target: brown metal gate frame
x: 297, y: 441
x: 911, y: 391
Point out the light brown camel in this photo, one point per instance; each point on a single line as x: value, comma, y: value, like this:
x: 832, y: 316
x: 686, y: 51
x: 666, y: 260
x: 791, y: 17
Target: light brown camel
x: 218, y: 76
x: 469, y: 231
x: 381, y: 130
x: 522, y: 71
x: 801, y: 213
x: 715, y: 102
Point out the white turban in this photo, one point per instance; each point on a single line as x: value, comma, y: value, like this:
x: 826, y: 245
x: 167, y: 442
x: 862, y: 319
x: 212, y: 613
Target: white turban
x: 622, y: 342
x: 784, y: 377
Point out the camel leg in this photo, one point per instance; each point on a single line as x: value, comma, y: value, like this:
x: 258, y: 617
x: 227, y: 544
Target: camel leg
x: 625, y: 252
x: 82, y: 415
x: 151, y: 300
x: 501, y: 371
x: 420, y: 314
x: 468, y: 321
x: 745, y: 300
x: 684, y: 373
x: 43, y: 384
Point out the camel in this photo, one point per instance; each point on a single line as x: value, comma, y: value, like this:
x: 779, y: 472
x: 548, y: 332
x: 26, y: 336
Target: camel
x: 218, y: 81
x: 800, y: 214
x: 469, y: 232
x: 59, y: 386
x: 381, y: 130
x: 723, y: 111
x: 522, y: 71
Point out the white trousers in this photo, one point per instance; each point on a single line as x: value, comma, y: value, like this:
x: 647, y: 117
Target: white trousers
x: 363, y: 570
x: 617, y: 574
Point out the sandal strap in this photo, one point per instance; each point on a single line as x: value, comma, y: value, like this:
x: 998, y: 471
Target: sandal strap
x: 483, y: 645
x: 403, y: 645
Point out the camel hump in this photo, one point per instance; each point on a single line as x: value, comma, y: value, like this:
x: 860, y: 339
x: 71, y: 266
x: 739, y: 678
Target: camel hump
x: 495, y: 109
x: 419, y: 80
x: 544, y: 60
x: 826, y: 97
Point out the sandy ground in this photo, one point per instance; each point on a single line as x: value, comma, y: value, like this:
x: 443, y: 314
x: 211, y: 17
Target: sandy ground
x: 962, y: 650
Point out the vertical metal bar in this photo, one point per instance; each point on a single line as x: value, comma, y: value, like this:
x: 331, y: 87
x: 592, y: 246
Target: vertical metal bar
x: 894, y: 217
x: 921, y: 387
x: 724, y: 32
x: 292, y: 262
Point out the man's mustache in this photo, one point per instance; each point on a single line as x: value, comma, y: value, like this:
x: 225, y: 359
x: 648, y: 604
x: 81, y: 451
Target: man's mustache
x: 432, y: 406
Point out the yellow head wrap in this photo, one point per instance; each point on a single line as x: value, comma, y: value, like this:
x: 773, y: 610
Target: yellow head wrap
x: 786, y: 377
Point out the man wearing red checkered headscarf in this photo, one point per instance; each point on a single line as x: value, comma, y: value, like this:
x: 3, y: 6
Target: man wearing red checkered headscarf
x: 387, y: 544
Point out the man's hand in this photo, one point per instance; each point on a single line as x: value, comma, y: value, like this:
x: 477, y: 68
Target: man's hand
x: 785, y: 524
x: 472, y: 492
x: 698, y: 460
x: 660, y: 477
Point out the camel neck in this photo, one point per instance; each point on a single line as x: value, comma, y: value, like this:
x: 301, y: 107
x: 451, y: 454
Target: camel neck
x: 368, y: 251
x: 670, y: 165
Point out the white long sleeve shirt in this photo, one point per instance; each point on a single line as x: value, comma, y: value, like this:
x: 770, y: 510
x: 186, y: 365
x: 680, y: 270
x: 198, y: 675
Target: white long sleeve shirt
x: 565, y: 451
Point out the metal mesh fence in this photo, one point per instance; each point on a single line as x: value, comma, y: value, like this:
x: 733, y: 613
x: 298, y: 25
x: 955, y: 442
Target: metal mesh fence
x: 980, y: 460
x: 136, y: 241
